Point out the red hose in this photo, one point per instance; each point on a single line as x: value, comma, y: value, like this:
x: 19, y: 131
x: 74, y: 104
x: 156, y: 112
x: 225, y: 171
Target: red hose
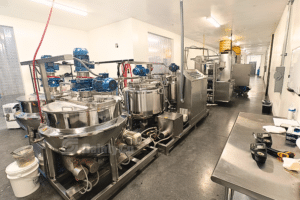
x: 83, y: 77
x: 33, y: 63
x: 53, y: 76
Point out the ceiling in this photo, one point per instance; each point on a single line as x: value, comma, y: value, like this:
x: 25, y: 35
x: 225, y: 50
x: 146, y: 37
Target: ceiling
x: 252, y: 21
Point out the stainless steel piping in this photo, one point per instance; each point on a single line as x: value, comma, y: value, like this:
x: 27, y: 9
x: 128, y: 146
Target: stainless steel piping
x: 283, y: 55
x: 182, y: 51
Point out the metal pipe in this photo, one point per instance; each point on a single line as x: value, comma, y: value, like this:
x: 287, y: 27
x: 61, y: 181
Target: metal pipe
x: 182, y: 50
x: 201, y: 48
x: 269, y: 69
x: 229, y: 193
x: 31, y: 77
x: 284, y: 54
x: 114, y: 61
x: 84, y: 65
x: 45, y: 83
x: 125, y: 78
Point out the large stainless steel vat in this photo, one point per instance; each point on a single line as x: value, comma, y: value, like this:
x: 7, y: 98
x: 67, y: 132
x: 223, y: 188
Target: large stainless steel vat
x: 145, y: 99
x: 74, y: 114
x: 82, y: 127
x: 164, y: 79
x: 66, y: 115
x: 84, y: 141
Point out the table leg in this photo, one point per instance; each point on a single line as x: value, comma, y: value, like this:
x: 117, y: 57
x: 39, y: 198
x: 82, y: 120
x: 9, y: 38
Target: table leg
x: 228, y: 193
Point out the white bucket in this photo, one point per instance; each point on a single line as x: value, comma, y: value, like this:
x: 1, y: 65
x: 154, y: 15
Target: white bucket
x: 24, y: 180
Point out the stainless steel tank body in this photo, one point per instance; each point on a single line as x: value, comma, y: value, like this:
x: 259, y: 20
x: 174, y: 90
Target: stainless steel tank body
x: 145, y: 99
x: 170, y: 85
x: 83, y: 123
x: 172, y: 89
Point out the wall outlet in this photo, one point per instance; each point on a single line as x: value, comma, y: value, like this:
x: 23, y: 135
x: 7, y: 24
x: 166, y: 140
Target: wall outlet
x: 117, y: 45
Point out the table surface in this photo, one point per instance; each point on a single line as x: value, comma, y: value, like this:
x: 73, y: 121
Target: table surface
x: 237, y: 170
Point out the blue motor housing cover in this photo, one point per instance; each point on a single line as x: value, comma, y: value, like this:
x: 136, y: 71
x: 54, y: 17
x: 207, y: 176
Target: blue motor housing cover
x: 82, y: 84
x: 104, y: 84
x: 173, y: 67
x: 139, y: 70
x: 50, y: 66
x: 53, y: 82
x: 82, y: 54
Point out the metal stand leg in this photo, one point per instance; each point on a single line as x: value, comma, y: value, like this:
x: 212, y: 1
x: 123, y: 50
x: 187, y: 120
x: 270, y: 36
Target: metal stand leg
x: 229, y: 193
x: 113, y: 161
x: 50, y: 163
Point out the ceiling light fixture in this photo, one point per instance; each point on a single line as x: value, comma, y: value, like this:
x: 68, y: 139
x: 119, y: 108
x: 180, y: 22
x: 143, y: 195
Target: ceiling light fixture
x: 213, y: 21
x: 61, y: 7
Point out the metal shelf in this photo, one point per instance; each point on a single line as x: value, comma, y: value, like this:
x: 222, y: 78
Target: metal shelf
x: 52, y: 59
x: 211, y: 92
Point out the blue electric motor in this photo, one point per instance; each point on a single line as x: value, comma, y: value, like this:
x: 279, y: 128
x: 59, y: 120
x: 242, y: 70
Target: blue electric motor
x: 53, y: 82
x: 82, y: 54
x: 104, y: 84
x: 139, y: 70
x: 82, y: 84
x: 173, y: 67
x: 51, y: 67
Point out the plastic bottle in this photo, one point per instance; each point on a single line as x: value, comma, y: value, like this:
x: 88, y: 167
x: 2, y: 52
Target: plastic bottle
x: 291, y: 112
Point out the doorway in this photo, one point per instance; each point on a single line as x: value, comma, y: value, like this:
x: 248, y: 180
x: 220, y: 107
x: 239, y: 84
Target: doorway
x: 253, y: 68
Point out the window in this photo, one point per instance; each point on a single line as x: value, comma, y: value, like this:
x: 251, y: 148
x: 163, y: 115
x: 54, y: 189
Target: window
x: 10, y: 73
x: 160, y: 51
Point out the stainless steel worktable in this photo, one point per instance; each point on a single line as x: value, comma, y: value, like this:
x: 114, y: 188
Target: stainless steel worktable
x: 237, y: 171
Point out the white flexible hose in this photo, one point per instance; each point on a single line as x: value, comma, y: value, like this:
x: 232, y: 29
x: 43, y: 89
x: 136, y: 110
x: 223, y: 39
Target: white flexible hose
x: 127, y: 161
x: 84, y: 65
x: 87, y: 182
x: 98, y: 177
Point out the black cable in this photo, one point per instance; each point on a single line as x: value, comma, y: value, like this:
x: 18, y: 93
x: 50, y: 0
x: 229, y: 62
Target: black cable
x: 72, y: 72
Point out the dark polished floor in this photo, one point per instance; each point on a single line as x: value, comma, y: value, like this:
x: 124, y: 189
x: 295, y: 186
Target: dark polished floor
x: 185, y: 174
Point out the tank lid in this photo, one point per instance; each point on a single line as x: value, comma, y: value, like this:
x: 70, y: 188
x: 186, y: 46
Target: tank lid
x: 63, y: 107
x: 144, y: 85
x: 32, y: 97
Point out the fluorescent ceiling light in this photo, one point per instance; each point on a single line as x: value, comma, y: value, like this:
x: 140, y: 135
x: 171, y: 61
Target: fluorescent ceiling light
x: 61, y: 7
x: 213, y: 21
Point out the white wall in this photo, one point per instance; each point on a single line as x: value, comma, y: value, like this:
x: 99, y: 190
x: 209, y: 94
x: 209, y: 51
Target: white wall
x: 132, y: 38
x: 281, y: 102
x: 58, y: 40
x: 102, y: 45
x: 262, y: 65
x: 140, y: 42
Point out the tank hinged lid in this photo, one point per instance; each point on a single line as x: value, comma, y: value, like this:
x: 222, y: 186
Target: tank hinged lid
x: 63, y: 107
